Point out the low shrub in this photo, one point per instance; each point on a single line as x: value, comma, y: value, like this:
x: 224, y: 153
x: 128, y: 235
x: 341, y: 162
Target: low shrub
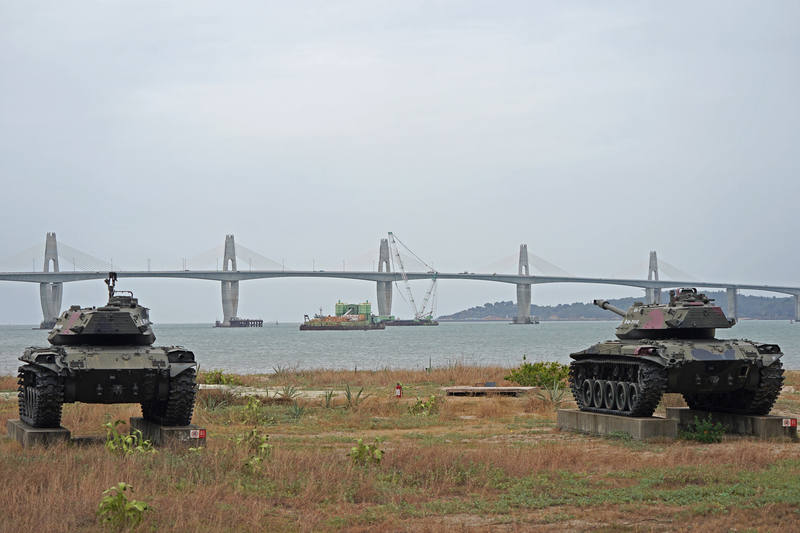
x: 539, y: 374
x: 424, y: 408
x: 218, y: 377
x: 703, y: 431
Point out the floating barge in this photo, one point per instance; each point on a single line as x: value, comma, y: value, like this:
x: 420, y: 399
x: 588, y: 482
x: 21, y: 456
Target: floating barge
x: 348, y: 317
x: 412, y: 322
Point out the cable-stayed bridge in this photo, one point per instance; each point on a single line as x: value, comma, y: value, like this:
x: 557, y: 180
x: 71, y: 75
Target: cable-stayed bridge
x: 251, y: 265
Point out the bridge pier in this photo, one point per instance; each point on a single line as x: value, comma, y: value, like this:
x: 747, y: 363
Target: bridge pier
x: 230, y: 289
x: 653, y: 294
x: 50, y: 293
x: 733, y: 302
x: 523, y: 289
x: 796, y: 307
x: 384, y: 287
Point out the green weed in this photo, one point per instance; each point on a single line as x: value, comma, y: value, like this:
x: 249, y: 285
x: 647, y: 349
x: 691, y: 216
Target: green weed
x: 366, y: 454
x: 117, y: 511
x: 288, y: 392
x: 218, y: 377
x: 251, y: 413
x: 703, y: 431
x: 424, y: 408
x: 296, y: 411
x: 554, y: 395
x: 117, y: 442
x: 255, y: 442
x: 353, y: 399
x: 327, y: 402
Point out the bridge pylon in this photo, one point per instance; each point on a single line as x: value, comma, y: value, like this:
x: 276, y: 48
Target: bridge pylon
x: 796, y: 307
x: 523, y: 289
x: 733, y: 302
x: 653, y: 294
x: 50, y: 293
x: 230, y: 289
x: 384, y: 287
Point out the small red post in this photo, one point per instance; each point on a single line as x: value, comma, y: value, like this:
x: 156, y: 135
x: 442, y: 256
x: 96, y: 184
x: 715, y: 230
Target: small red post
x: 398, y: 391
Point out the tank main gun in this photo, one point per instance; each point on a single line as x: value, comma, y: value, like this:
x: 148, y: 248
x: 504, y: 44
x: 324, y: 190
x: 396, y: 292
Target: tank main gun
x: 603, y: 304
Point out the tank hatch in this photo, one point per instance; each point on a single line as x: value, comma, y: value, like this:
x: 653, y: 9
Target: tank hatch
x: 688, y: 315
x: 121, y: 322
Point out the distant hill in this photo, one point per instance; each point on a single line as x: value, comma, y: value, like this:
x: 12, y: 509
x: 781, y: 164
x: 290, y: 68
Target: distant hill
x: 750, y: 307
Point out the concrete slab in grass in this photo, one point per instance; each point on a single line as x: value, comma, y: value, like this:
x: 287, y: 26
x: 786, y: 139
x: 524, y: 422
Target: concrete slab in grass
x: 599, y: 424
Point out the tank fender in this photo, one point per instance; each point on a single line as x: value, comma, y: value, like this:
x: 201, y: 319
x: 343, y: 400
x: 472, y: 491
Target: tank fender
x: 45, y: 358
x: 660, y: 361
x: 48, y: 365
x: 177, y: 368
x: 768, y: 359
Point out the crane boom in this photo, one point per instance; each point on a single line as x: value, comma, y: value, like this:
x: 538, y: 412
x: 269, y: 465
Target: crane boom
x: 419, y: 314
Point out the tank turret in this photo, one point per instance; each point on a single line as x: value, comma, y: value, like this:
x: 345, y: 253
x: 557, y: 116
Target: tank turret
x: 672, y: 348
x: 688, y: 315
x: 105, y: 355
x: 121, y: 322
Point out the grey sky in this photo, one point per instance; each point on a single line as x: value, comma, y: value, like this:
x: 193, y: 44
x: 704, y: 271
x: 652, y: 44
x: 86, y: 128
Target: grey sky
x: 592, y: 132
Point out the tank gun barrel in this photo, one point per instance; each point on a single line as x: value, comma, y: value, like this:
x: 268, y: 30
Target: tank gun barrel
x: 603, y: 304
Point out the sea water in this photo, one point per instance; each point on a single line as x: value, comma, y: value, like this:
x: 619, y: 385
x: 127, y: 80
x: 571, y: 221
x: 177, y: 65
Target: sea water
x: 262, y: 350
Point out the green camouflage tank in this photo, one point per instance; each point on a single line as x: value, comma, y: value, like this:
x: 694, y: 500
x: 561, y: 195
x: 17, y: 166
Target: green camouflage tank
x: 105, y: 355
x: 672, y: 348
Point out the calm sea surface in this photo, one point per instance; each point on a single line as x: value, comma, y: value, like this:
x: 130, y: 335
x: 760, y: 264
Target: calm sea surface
x: 259, y: 350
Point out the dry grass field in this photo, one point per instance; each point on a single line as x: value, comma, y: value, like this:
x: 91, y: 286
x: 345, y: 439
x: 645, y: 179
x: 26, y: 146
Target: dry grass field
x: 464, y: 464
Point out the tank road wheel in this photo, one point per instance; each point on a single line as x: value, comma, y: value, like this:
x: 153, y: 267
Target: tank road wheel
x: 598, y: 390
x: 609, y: 395
x: 41, y: 395
x: 177, y: 409
x: 586, y: 393
x: 621, y: 396
x: 633, y: 394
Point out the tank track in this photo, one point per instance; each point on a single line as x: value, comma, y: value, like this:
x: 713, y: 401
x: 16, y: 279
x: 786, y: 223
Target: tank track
x: 40, y: 396
x: 754, y: 402
x: 177, y: 409
x: 625, y: 388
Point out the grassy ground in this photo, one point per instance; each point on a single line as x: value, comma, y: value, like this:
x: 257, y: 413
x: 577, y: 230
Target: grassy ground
x: 472, y: 464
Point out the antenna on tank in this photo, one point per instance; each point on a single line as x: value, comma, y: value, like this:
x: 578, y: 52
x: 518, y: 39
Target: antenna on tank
x: 110, y: 281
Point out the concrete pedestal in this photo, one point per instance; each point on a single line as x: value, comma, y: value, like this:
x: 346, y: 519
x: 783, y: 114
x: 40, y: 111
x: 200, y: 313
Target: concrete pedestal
x: 764, y: 427
x: 29, y: 436
x: 600, y: 424
x: 190, y: 436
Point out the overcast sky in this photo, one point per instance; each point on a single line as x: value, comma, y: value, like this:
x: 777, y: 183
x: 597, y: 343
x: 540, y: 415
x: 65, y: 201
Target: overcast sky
x: 592, y: 132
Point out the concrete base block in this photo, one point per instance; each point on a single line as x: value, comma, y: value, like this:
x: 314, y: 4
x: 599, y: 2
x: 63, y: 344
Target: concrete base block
x: 764, y: 427
x: 188, y: 436
x: 28, y: 435
x: 600, y: 424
